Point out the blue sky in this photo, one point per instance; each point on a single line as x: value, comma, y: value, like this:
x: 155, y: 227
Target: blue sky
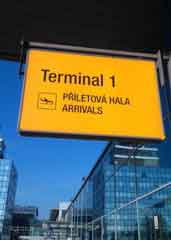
x: 49, y: 170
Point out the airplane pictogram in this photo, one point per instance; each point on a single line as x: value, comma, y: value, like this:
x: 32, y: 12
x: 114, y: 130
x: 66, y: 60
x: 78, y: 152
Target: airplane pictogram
x: 46, y: 101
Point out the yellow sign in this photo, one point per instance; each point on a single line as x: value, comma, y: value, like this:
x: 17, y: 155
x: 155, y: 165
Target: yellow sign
x: 90, y: 95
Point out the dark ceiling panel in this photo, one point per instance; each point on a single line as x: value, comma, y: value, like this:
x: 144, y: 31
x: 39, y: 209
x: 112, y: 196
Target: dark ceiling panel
x: 124, y: 25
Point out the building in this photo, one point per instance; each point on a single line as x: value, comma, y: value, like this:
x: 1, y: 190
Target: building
x: 123, y: 173
x: 2, y: 147
x: 56, y: 227
x: 55, y: 230
x: 8, y: 183
x: 57, y: 214
x: 63, y: 206
x: 53, y: 215
x: 24, y: 218
x: 26, y: 225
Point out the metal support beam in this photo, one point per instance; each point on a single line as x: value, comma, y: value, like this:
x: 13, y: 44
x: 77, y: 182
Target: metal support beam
x: 92, y: 50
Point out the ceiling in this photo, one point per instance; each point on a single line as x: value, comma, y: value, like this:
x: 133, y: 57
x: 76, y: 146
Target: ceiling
x: 136, y: 25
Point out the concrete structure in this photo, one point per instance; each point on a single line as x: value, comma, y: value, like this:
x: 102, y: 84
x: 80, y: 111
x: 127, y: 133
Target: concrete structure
x: 63, y: 206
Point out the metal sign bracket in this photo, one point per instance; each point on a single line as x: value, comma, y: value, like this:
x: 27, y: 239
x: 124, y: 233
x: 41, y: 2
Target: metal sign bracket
x: 23, y: 49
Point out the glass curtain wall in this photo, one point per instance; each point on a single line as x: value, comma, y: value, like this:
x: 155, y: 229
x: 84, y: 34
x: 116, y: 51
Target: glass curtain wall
x: 8, y: 181
x: 121, y: 174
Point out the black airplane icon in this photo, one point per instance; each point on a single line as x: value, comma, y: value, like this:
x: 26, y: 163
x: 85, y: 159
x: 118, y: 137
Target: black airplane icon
x: 46, y: 101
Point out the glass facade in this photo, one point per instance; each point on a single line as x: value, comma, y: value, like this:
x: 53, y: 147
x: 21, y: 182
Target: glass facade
x: 8, y: 181
x: 2, y: 147
x: 122, y: 174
